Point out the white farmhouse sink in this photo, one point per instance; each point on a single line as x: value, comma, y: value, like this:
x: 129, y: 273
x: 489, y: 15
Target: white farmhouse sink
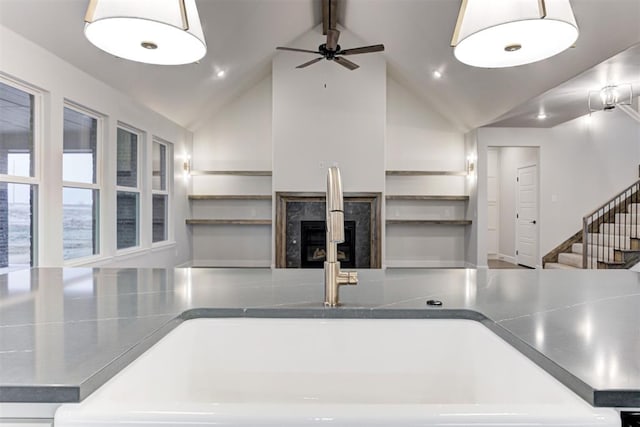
x: 338, y: 372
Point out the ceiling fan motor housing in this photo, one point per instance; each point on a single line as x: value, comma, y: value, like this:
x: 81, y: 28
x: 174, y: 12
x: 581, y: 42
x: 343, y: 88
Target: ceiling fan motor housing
x: 328, y: 53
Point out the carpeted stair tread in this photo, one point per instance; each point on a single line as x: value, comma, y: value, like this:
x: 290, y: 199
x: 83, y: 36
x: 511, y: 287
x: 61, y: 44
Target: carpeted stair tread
x: 603, y: 253
x: 574, y: 260
x: 557, y: 266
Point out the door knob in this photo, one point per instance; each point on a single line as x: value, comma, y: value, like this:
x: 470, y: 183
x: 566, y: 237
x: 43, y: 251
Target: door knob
x: 533, y: 222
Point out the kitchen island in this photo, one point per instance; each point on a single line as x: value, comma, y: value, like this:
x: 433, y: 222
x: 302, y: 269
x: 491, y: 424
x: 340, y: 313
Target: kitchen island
x: 65, y: 332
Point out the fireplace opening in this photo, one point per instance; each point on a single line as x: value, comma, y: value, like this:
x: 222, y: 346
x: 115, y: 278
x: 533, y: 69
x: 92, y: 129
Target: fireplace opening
x: 313, y: 244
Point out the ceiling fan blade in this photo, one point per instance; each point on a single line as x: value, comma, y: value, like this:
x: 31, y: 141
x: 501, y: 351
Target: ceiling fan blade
x: 363, y: 49
x: 329, y: 15
x: 313, y: 61
x: 292, y: 49
x: 332, y: 39
x: 346, y: 63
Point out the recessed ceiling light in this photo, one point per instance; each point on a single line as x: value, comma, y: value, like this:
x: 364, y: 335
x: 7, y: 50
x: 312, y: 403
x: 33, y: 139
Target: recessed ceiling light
x: 542, y: 115
x: 220, y: 74
x: 437, y: 74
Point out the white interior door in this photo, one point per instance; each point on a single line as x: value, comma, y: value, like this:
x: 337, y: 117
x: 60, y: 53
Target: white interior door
x: 527, y: 216
x: 493, y: 214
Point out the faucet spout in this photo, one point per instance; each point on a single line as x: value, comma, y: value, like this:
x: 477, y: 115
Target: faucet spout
x: 333, y: 277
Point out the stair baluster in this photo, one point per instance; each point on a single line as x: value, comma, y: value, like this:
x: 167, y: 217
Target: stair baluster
x: 607, y: 242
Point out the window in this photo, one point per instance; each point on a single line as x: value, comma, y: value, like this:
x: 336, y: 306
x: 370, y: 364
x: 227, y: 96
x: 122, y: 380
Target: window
x: 128, y: 190
x: 81, y: 184
x: 18, y: 180
x: 160, y: 193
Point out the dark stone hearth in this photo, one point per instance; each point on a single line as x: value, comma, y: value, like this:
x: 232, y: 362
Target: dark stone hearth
x: 295, y: 208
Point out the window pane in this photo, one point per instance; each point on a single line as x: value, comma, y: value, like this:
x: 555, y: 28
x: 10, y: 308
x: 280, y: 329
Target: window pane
x: 159, y: 167
x: 159, y: 217
x: 16, y: 225
x: 16, y: 131
x: 127, y: 219
x: 80, y: 147
x: 79, y: 222
x: 127, y: 159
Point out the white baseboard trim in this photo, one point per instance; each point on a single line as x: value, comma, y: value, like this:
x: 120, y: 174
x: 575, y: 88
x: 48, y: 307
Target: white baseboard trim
x: 236, y: 263
x: 425, y: 264
x: 493, y: 256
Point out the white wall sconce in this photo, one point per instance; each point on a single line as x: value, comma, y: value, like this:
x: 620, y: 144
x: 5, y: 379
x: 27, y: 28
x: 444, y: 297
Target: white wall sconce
x: 162, y: 32
x: 186, y: 167
x: 610, y: 97
x: 507, y: 33
x: 470, y: 166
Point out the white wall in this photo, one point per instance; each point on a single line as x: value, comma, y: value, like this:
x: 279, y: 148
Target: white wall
x: 476, y: 252
x: 581, y: 165
x: 493, y: 202
x: 418, y: 137
x: 238, y: 137
x: 326, y: 114
x: 59, y: 81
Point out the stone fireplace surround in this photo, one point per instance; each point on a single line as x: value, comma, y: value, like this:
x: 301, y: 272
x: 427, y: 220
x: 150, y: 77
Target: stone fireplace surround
x: 294, y: 207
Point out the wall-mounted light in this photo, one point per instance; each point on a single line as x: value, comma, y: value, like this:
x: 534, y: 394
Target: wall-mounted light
x: 507, y: 33
x: 186, y: 167
x: 163, y: 32
x: 610, y: 97
x: 470, y: 165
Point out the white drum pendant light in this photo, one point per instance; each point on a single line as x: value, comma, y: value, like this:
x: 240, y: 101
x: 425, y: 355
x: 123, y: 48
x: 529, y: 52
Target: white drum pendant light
x: 165, y: 32
x: 507, y: 33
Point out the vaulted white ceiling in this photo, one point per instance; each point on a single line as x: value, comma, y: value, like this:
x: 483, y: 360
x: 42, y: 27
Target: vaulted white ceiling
x: 242, y: 34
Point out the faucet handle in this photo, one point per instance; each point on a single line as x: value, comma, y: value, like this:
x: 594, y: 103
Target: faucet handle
x: 348, y: 277
x: 352, y: 277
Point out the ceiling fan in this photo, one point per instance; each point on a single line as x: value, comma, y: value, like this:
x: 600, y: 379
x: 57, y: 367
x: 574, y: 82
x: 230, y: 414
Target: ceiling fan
x: 331, y: 50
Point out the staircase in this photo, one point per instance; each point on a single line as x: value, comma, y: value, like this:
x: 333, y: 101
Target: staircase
x: 611, y: 233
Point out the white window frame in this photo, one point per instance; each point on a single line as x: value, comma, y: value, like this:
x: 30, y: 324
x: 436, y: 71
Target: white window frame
x: 34, y: 180
x: 140, y: 170
x: 168, y: 192
x: 100, y: 126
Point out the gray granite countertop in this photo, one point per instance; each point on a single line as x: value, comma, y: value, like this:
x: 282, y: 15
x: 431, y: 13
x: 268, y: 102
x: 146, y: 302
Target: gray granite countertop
x: 64, y: 332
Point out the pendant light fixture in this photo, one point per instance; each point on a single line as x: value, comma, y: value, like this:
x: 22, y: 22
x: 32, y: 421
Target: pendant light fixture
x: 164, y: 32
x: 507, y: 33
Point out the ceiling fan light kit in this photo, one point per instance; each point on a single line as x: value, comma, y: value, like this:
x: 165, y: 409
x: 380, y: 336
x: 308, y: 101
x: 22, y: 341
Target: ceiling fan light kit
x: 162, y: 32
x: 508, y: 33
